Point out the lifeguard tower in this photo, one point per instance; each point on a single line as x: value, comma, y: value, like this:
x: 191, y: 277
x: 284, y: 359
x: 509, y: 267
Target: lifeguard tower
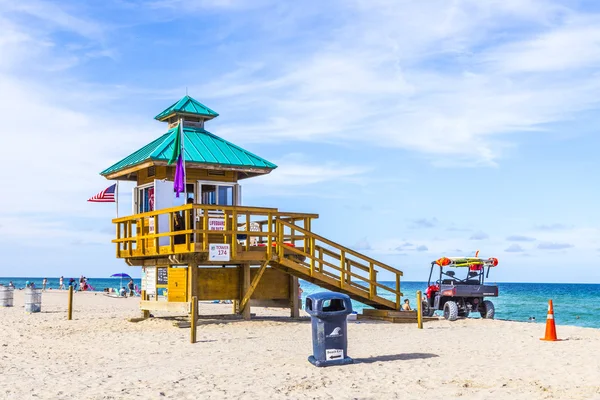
x: 207, y: 244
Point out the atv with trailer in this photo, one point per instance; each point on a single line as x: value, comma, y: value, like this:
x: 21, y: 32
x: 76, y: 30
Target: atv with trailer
x: 458, y: 297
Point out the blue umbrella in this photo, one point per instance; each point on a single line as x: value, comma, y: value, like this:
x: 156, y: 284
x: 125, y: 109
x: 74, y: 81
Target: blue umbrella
x: 120, y: 275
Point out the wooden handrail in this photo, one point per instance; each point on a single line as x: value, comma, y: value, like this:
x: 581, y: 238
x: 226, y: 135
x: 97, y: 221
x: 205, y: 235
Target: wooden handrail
x: 346, y: 249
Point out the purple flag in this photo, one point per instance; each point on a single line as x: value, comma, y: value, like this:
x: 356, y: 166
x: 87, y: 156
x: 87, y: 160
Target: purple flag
x: 179, y: 184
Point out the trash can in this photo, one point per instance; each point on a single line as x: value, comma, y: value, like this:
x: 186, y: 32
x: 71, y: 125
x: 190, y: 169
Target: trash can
x: 328, y: 312
x: 33, y: 300
x: 6, y: 296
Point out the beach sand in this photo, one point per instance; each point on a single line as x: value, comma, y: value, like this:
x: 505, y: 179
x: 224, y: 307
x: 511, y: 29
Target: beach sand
x: 100, y: 355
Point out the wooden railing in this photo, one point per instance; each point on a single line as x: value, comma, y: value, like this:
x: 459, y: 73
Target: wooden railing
x: 348, y: 267
x: 282, y: 234
x: 153, y: 233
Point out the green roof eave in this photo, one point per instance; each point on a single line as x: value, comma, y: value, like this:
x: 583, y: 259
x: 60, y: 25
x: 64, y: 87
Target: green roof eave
x: 200, y: 147
x: 189, y: 106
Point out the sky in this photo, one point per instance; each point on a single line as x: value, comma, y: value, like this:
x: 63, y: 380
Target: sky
x: 415, y: 130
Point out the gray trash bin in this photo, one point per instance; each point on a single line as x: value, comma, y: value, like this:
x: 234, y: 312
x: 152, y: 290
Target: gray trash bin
x: 328, y: 312
x: 6, y: 296
x: 33, y: 300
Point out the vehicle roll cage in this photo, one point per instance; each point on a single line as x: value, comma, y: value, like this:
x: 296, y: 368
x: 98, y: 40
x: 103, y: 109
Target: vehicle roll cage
x: 476, y: 269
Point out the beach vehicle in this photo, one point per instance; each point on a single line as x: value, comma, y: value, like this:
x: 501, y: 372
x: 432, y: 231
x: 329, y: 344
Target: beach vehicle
x: 455, y: 296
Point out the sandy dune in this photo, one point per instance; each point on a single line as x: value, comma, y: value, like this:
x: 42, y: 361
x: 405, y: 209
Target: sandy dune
x: 100, y: 355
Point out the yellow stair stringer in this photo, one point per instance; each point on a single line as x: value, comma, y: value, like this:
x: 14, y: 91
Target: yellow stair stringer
x: 334, y: 267
x: 326, y: 282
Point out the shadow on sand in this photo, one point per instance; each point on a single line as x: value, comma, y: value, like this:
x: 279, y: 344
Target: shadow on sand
x: 394, y: 357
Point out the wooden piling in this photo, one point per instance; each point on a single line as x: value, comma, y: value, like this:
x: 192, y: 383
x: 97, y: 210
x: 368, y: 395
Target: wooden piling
x: 419, y: 310
x: 193, y: 319
x: 145, y: 313
x: 70, y: 312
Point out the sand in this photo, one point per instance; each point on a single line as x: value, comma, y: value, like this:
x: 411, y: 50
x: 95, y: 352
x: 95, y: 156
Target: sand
x: 100, y: 355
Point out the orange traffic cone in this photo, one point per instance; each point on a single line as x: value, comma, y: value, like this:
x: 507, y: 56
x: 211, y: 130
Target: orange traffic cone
x: 550, y: 326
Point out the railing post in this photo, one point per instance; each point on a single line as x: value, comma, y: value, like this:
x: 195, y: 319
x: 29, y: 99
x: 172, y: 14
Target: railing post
x: 186, y: 226
x: 342, y: 267
x: 234, y: 228
x: 419, y: 310
x: 311, y: 242
x: 247, y: 246
x: 204, y: 229
x: 143, y: 241
x: 372, y: 280
x: 279, y: 227
x: 171, y: 230
x: 397, y: 291
x: 269, y: 238
x: 129, y: 246
x: 118, y: 237
x: 320, y: 260
x: 156, y: 239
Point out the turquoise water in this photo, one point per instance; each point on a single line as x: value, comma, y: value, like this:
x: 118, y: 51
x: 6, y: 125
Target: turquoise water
x: 516, y: 301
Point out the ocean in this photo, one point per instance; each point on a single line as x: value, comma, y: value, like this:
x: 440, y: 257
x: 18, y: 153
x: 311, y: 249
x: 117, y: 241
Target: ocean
x: 574, y: 304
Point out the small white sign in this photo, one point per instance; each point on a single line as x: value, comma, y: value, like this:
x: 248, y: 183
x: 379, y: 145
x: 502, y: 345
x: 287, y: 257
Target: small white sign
x: 334, y: 354
x: 150, y: 280
x: 151, y: 225
x: 216, y: 224
x: 219, y: 252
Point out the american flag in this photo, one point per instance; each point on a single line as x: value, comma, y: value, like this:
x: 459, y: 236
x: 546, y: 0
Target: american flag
x: 105, y: 196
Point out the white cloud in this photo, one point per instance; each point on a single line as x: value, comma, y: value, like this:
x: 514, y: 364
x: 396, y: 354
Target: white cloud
x: 441, y: 78
x: 298, y: 170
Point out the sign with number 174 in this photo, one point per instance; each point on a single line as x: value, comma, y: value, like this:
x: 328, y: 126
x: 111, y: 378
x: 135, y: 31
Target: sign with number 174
x: 219, y: 252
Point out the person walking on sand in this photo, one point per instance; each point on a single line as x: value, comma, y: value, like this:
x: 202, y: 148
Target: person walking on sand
x: 300, y: 291
x: 44, y: 283
x: 61, y: 284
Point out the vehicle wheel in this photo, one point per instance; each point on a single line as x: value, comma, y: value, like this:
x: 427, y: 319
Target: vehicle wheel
x: 450, y: 311
x: 464, y: 313
x: 426, y: 310
x: 487, y: 310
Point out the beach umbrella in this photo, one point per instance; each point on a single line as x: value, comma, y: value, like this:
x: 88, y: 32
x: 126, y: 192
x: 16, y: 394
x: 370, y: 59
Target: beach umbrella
x: 120, y: 275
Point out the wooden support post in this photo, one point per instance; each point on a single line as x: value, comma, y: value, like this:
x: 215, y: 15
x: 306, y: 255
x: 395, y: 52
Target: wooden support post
x: 373, y: 280
x: 253, y: 285
x: 294, y: 300
x: 419, y: 310
x: 245, y: 283
x: 397, y: 292
x: 70, y: 312
x: 193, y: 319
x: 192, y: 288
x: 145, y: 313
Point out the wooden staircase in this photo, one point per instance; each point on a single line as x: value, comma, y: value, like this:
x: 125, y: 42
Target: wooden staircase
x: 334, y: 267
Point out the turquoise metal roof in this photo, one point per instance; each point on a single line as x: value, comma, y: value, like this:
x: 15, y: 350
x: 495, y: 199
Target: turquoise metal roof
x: 187, y: 105
x: 200, y: 146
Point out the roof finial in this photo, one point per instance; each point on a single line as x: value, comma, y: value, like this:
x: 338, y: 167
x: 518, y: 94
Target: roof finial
x: 186, y: 93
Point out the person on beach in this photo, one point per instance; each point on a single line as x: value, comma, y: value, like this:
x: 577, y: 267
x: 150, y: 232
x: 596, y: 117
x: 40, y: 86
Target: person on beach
x: 11, y: 285
x: 406, y: 305
x: 123, y: 292
x: 61, y: 284
x: 300, y: 291
x: 130, y: 287
x: 44, y: 283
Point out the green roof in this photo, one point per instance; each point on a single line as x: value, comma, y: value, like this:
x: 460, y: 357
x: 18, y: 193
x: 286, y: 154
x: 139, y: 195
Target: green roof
x: 187, y: 105
x: 200, y: 146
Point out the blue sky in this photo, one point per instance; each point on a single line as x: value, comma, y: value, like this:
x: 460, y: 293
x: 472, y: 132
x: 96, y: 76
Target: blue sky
x: 415, y: 129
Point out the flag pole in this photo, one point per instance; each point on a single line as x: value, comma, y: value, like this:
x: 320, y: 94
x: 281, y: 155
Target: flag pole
x: 117, y: 198
x: 183, y: 162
